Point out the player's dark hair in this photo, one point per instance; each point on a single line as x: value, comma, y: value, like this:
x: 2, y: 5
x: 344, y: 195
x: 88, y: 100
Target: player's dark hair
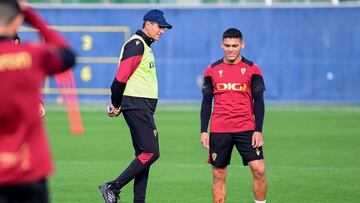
x: 9, y: 9
x: 232, y: 33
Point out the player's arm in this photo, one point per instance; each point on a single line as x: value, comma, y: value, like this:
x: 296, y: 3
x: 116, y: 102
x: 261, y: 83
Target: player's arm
x: 257, y: 90
x: 58, y: 55
x: 130, y: 60
x: 206, y: 107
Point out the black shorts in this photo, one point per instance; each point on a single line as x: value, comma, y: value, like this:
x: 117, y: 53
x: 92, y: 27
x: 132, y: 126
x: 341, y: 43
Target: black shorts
x: 34, y: 192
x: 221, y: 146
x: 143, y: 131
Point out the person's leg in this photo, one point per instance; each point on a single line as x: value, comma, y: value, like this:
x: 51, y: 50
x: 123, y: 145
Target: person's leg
x: 140, y: 181
x: 140, y: 184
x: 219, y: 184
x: 253, y: 157
x: 150, y: 143
x: 146, y: 145
x: 259, y: 179
x: 144, y: 139
x: 221, y: 146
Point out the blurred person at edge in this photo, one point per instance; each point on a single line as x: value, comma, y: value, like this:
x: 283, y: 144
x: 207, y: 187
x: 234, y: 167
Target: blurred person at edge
x: 25, y: 159
x: 42, y: 111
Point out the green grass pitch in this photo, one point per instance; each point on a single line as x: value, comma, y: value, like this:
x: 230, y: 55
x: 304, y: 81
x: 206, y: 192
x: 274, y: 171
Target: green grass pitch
x: 312, y: 155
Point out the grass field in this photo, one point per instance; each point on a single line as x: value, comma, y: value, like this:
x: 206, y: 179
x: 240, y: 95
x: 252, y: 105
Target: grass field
x: 312, y: 155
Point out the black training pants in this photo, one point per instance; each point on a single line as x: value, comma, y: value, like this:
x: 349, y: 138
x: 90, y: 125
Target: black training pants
x: 146, y: 145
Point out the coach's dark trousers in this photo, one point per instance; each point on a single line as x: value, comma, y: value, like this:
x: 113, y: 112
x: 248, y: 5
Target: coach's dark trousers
x: 146, y: 145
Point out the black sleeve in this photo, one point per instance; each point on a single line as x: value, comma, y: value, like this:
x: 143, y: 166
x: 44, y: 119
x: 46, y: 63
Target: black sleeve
x: 258, y: 88
x: 207, y: 87
x: 257, y: 83
x: 117, y: 90
x: 206, y: 104
x: 259, y: 110
x: 68, y: 57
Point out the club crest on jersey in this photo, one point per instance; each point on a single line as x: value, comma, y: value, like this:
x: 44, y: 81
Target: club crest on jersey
x: 243, y: 71
x: 213, y: 156
x: 220, y: 73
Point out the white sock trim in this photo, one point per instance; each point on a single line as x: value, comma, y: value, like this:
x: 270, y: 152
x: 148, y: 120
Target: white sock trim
x: 257, y: 201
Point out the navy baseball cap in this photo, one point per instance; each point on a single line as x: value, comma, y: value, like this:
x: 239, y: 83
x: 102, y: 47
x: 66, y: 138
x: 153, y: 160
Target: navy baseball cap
x: 158, y: 17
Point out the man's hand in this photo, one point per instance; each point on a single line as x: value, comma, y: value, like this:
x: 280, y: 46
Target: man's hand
x: 257, y: 140
x: 113, y: 112
x: 204, y: 140
x: 41, y: 110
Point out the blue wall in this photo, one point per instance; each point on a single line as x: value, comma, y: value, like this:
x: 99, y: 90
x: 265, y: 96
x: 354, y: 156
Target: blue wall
x: 306, y: 54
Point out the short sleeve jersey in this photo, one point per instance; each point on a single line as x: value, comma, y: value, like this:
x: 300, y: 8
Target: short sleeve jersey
x: 232, y: 90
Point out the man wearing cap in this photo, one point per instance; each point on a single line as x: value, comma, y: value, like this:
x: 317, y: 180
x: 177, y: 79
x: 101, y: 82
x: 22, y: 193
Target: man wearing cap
x: 134, y: 92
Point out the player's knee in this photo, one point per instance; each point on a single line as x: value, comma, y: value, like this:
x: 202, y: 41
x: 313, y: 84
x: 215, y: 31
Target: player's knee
x: 156, y: 155
x: 219, y: 174
x: 148, y: 157
x: 259, y: 173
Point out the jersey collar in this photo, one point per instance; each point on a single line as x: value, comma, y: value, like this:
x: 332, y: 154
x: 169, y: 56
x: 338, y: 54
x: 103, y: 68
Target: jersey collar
x: 147, y: 39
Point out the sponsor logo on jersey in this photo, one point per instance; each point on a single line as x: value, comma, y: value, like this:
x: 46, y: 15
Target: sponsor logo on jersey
x: 20, y: 158
x: 231, y: 86
x: 15, y: 61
